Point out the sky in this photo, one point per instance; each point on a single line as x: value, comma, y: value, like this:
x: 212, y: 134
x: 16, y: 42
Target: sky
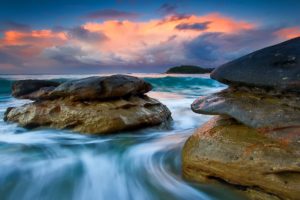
x: 118, y: 36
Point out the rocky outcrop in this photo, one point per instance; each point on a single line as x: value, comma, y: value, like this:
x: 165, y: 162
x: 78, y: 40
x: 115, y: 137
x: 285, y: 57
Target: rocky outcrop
x: 188, y: 69
x: 91, y: 88
x: 94, y: 105
x: 256, y: 108
x: 226, y: 149
x: 253, y: 145
x: 276, y: 67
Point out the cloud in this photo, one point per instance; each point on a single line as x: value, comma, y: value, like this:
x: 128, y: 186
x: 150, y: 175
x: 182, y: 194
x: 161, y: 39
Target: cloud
x: 215, y: 48
x: 111, y: 14
x: 65, y: 54
x: 207, y: 40
x: 195, y: 26
x: 83, y: 34
x: 167, y: 9
x: 290, y: 32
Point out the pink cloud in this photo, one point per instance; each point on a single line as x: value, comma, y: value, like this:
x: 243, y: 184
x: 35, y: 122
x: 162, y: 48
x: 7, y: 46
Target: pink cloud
x: 288, y: 33
x: 135, y: 43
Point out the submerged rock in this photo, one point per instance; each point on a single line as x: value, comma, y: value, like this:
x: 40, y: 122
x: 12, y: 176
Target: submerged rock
x: 253, y: 107
x: 275, y: 67
x: 265, y: 162
x: 94, y: 105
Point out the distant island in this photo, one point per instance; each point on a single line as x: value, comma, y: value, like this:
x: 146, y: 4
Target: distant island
x: 188, y: 69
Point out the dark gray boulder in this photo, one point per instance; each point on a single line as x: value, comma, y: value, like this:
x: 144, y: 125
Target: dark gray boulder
x: 275, y: 67
x: 91, y: 88
x: 257, y: 109
x: 22, y: 89
x: 97, y: 88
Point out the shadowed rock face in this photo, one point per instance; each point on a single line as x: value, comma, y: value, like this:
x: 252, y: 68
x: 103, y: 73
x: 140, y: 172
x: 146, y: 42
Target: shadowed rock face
x: 91, y: 88
x: 265, y: 162
x: 95, y: 105
x: 101, y: 88
x: 275, y: 67
x: 257, y: 109
x: 23, y: 89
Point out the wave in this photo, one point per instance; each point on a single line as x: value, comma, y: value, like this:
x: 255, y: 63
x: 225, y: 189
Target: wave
x: 5, y: 86
x: 183, y: 85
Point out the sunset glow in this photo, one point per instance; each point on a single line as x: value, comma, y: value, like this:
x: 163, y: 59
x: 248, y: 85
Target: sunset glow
x: 122, y: 40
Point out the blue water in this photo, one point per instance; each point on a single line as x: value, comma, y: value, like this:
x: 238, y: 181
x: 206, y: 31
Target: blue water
x: 145, y: 164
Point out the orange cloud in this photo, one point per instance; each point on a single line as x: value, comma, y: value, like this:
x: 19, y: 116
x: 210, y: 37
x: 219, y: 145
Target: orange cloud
x: 140, y: 43
x: 127, y: 38
x: 43, y: 37
x: 288, y: 33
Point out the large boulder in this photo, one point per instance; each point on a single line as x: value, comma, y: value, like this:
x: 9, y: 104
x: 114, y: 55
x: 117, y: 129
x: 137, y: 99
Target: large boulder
x: 262, y: 165
x: 23, y: 89
x: 256, y: 108
x: 94, y: 105
x: 91, y: 88
x: 93, y: 117
x: 275, y: 67
x: 99, y: 88
x: 253, y: 145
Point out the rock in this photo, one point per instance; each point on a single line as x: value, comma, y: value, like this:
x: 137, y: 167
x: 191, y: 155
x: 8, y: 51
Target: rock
x: 91, y: 88
x: 93, y: 117
x: 94, y: 105
x: 262, y: 165
x: 276, y: 67
x: 188, y: 69
x: 97, y: 88
x: 22, y: 89
x: 253, y: 107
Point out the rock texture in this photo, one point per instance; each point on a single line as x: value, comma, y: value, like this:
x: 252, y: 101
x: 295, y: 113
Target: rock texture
x: 108, y: 87
x: 254, y: 143
x: 276, y: 67
x: 224, y: 149
x: 24, y: 89
x: 94, y: 105
x: 91, y: 116
x: 253, y: 107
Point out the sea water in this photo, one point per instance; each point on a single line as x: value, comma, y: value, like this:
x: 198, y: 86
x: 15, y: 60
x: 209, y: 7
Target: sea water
x: 55, y: 164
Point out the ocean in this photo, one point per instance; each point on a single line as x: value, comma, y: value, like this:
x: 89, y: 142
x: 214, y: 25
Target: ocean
x: 49, y: 164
